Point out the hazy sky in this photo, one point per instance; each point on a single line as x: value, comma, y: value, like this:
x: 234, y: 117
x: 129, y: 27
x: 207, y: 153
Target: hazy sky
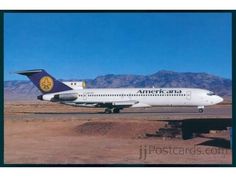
x: 85, y: 45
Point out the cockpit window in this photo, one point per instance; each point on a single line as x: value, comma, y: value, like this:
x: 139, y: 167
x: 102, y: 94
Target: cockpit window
x: 211, y: 93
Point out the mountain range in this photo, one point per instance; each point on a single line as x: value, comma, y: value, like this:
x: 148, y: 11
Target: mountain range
x: 25, y: 90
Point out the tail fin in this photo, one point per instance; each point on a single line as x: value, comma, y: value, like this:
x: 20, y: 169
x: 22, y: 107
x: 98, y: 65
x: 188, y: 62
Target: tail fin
x: 44, y: 82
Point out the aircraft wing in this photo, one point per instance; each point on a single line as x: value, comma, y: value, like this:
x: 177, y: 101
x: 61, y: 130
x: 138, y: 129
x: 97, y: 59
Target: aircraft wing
x: 120, y: 104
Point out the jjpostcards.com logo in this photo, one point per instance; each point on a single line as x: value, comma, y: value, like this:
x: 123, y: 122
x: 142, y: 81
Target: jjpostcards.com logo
x: 146, y: 151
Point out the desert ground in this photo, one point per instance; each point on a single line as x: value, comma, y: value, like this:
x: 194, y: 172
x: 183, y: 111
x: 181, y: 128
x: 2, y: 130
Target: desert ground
x: 50, y: 133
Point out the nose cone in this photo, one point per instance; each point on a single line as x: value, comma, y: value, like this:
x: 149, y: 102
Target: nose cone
x: 219, y: 99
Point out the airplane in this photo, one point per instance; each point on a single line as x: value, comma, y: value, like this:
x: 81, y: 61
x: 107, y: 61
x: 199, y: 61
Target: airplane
x: 116, y: 99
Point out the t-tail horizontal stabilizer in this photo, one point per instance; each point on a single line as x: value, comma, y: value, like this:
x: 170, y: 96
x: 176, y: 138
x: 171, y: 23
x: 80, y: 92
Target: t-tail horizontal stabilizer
x: 44, y: 82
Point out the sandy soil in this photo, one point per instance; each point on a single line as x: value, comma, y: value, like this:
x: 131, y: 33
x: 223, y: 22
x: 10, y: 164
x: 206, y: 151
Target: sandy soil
x: 47, y: 133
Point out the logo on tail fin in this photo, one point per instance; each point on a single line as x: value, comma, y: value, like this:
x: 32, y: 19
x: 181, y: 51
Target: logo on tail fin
x: 46, y: 83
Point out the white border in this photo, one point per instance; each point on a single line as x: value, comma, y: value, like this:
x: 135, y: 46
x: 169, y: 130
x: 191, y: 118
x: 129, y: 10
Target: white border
x: 117, y: 5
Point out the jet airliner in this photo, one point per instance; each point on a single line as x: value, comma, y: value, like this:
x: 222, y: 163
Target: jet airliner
x: 116, y: 99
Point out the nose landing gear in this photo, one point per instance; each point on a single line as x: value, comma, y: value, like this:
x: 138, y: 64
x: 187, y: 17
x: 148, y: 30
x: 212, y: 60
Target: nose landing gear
x: 200, y: 109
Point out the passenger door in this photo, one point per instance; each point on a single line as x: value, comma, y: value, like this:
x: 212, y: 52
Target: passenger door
x: 188, y: 95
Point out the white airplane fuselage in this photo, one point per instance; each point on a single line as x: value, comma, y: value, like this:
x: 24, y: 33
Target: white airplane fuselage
x: 141, y: 97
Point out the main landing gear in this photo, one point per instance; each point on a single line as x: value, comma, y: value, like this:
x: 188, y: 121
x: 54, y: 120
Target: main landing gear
x: 200, y: 109
x: 112, y: 110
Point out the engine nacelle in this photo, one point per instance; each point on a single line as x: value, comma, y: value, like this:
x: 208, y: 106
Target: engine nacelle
x: 65, y: 97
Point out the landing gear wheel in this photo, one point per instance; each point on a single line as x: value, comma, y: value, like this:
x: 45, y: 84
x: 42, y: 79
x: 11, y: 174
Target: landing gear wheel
x: 107, y: 111
x: 116, y: 110
x: 200, y: 110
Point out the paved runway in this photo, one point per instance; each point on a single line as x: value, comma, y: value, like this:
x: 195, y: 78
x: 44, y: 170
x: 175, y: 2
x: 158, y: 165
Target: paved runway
x: 63, y: 111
